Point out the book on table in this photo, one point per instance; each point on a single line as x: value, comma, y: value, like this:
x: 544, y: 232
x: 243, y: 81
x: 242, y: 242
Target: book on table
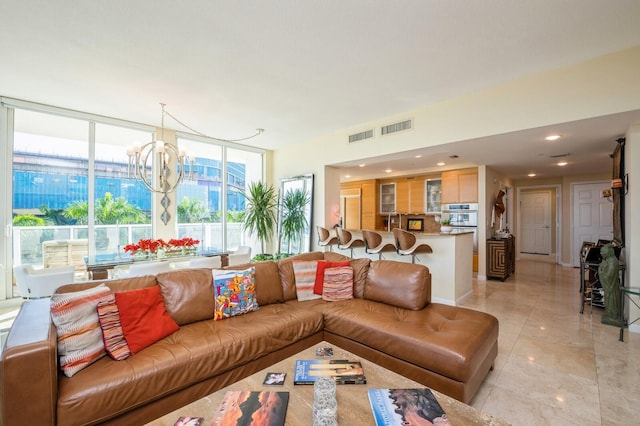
x: 341, y: 370
x: 252, y: 408
x: 397, y: 407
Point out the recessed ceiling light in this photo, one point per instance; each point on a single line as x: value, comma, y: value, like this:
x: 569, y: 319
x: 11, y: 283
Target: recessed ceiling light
x: 347, y: 176
x: 441, y: 163
x: 562, y: 163
x: 531, y: 175
x: 552, y: 137
x: 418, y: 156
x: 361, y: 165
x: 388, y: 171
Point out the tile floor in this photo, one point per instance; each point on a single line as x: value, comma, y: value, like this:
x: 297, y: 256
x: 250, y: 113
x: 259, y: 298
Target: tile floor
x: 554, y: 366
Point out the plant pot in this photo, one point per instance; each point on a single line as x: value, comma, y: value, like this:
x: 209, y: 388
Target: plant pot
x: 445, y: 229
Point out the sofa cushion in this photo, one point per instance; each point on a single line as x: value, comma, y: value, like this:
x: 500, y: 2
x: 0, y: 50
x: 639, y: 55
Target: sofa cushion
x: 112, y: 334
x: 338, y: 284
x: 188, y: 294
x: 322, y: 266
x: 75, y: 316
x: 398, y: 284
x: 451, y: 341
x: 144, y: 318
x: 268, y: 286
x: 304, y: 272
x: 360, y: 272
x: 287, y: 277
x: 234, y: 292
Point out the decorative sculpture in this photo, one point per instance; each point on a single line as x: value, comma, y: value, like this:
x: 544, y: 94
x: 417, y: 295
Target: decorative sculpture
x: 609, y: 278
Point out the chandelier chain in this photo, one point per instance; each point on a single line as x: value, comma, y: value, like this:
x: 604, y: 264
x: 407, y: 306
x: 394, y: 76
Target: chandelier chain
x: 164, y: 111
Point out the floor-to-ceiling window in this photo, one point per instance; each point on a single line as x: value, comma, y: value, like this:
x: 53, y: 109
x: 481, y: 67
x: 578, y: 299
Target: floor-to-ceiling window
x: 71, y: 181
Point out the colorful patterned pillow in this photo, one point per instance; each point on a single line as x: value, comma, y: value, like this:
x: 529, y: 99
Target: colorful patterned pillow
x: 112, y: 334
x: 305, y: 274
x: 144, y: 318
x: 322, y: 266
x: 75, y: 316
x: 338, y: 284
x: 235, y: 292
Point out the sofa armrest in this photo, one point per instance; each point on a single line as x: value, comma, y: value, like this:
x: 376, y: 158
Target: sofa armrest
x: 29, y: 368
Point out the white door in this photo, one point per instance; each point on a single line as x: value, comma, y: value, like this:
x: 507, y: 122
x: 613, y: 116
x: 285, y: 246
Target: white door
x: 535, y: 208
x: 592, y: 216
x: 350, y: 211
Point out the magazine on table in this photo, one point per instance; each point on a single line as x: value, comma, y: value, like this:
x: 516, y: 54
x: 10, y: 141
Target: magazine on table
x: 398, y: 407
x: 252, y: 408
x: 342, y: 371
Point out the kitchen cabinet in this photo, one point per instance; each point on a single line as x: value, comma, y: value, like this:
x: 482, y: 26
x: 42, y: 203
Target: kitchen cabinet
x: 416, y: 196
x: 402, y: 196
x: 387, y: 197
x: 433, y: 195
x: 369, y: 204
x: 460, y: 186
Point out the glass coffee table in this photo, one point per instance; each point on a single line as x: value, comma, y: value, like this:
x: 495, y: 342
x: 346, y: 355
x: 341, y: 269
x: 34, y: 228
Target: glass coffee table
x: 353, y: 400
x: 627, y: 293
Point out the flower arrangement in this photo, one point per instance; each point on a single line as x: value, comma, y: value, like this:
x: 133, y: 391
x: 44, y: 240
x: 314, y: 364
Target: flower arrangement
x: 152, y: 247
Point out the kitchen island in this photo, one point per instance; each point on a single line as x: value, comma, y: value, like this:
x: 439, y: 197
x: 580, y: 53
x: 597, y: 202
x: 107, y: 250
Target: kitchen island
x: 450, y: 264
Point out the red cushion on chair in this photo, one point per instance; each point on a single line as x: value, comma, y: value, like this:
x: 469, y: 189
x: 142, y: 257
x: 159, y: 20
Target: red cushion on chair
x: 144, y: 318
x: 322, y: 265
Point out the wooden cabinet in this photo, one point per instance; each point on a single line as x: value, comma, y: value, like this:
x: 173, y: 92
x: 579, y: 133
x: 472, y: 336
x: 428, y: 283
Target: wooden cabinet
x: 402, y: 195
x: 369, y: 204
x: 416, y: 195
x: 387, y: 197
x: 501, y: 257
x: 460, y: 186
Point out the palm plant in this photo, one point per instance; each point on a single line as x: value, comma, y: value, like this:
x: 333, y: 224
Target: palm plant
x: 108, y: 211
x: 260, y: 216
x: 294, y: 218
x: 192, y: 211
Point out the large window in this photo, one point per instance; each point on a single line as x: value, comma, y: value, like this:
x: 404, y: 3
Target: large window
x: 71, y: 182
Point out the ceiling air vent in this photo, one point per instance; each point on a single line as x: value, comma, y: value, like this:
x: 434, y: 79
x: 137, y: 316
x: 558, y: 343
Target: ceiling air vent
x: 396, y: 127
x: 361, y: 136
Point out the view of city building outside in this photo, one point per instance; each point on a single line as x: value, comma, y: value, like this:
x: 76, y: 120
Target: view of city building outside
x: 51, y: 182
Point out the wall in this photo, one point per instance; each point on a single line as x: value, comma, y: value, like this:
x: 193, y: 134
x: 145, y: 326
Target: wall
x: 632, y: 225
x: 601, y: 86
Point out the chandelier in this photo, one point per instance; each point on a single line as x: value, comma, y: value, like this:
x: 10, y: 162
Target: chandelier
x: 168, y: 160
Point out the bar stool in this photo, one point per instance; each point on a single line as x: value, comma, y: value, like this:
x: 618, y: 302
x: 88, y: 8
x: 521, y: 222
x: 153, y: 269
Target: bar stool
x: 347, y: 241
x: 325, y: 238
x: 374, y: 245
x: 407, y: 244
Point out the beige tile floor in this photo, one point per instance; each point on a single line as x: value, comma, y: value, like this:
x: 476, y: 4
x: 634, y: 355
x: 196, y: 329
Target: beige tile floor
x: 554, y: 366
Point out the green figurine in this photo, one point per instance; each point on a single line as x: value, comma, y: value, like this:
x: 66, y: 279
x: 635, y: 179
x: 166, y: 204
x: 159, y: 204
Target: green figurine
x: 610, y: 280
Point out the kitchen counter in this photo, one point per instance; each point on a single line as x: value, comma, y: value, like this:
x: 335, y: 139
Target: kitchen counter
x: 450, y: 264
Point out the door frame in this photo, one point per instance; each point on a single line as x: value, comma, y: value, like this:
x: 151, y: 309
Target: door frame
x: 558, y: 221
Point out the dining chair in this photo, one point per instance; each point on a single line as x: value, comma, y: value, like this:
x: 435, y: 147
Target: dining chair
x: 374, y: 244
x: 35, y: 283
x: 325, y: 239
x: 212, y: 262
x: 145, y: 268
x: 240, y: 256
x: 407, y: 244
x: 346, y: 241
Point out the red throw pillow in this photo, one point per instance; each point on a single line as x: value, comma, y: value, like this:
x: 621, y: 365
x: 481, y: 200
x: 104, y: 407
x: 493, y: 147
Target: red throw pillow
x: 322, y: 265
x: 144, y: 318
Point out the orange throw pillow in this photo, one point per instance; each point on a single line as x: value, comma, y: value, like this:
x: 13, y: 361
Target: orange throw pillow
x: 322, y: 265
x: 144, y: 318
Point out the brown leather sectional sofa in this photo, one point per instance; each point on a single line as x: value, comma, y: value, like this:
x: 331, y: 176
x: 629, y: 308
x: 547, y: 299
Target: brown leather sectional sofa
x: 390, y: 322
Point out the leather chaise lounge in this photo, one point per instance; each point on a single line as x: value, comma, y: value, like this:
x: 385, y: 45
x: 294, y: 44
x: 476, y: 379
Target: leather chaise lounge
x: 390, y: 321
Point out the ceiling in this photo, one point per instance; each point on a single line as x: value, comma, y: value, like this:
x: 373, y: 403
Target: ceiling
x: 303, y: 69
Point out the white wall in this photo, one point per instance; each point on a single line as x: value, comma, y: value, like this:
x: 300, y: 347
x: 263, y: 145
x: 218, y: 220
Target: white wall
x: 632, y: 225
x: 605, y: 85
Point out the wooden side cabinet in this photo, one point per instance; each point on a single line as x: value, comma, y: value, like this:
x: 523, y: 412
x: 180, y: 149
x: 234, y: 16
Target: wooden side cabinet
x: 501, y: 257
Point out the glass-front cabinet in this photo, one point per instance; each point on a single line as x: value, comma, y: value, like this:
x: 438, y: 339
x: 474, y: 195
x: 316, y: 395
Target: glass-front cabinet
x: 433, y: 195
x: 387, y: 197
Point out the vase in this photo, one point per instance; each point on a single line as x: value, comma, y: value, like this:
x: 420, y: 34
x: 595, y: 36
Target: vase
x: 445, y: 229
x: 139, y: 255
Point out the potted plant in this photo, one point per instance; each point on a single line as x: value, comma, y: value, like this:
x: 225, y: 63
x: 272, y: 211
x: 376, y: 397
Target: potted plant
x: 445, y: 225
x: 260, y: 216
x: 294, y: 218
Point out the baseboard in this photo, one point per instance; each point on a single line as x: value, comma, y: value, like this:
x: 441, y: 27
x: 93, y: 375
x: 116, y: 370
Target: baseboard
x: 443, y: 301
x: 481, y: 277
x: 464, y: 297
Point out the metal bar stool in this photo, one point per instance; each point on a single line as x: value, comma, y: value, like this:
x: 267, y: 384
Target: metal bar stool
x: 407, y: 244
x: 347, y: 241
x: 374, y: 244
